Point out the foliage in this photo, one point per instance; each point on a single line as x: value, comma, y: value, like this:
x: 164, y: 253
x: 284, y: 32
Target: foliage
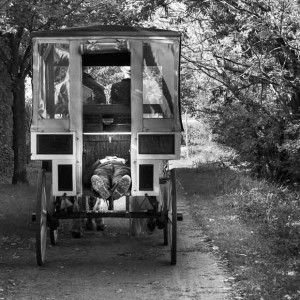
x: 17, y: 22
x: 240, y: 66
x: 198, y: 132
x: 249, y: 52
x: 278, y: 213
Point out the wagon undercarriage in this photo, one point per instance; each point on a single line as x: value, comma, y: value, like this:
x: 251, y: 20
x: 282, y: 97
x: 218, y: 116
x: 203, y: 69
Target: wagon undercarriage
x: 163, y: 217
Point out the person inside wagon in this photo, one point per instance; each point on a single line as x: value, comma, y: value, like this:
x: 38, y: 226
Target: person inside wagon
x: 93, y: 91
x: 110, y: 177
x: 120, y: 91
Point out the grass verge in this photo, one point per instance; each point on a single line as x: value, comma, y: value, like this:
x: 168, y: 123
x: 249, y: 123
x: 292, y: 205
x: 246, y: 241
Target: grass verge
x: 252, y: 225
x: 17, y: 203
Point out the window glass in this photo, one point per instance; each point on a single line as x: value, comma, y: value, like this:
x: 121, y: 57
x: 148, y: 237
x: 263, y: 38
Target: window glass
x: 106, y: 85
x: 158, y: 80
x: 109, y: 88
x: 55, y: 80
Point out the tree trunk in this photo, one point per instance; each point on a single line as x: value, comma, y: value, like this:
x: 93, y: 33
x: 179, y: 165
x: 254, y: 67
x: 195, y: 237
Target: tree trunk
x: 19, y: 132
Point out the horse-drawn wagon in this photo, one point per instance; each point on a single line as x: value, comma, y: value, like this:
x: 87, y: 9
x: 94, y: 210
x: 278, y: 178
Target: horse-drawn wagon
x: 77, y: 120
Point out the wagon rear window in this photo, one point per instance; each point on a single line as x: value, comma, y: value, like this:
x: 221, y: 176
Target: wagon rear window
x: 146, y: 177
x: 55, y: 83
x: 65, y: 180
x: 158, y: 80
x: 156, y: 144
x: 54, y: 144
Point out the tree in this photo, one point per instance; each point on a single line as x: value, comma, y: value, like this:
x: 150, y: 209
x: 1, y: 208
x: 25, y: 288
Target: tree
x: 249, y: 50
x: 18, y: 19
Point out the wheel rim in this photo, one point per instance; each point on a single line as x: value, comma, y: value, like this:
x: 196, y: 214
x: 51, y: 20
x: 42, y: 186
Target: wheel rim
x: 170, y: 227
x: 43, y: 226
x: 172, y: 218
x: 165, y: 213
x: 170, y: 213
x: 41, y: 212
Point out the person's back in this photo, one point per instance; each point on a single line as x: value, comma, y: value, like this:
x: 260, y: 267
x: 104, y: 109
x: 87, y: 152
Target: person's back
x: 97, y: 89
x: 120, y: 91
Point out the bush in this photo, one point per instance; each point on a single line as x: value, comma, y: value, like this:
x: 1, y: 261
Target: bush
x: 273, y: 210
x: 198, y: 133
x: 267, y: 143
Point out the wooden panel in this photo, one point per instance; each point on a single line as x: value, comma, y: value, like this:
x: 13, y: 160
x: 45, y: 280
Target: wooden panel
x: 108, y: 30
x: 53, y: 125
x: 75, y: 87
x: 36, y: 84
x: 166, y: 125
x: 136, y: 106
x: 49, y: 82
x: 177, y: 111
x: 97, y: 147
x: 94, y: 116
x: 76, y: 108
x: 105, y: 109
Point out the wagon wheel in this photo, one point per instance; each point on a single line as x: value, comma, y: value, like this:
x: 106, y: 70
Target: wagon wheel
x: 170, y: 210
x: 41, y: 218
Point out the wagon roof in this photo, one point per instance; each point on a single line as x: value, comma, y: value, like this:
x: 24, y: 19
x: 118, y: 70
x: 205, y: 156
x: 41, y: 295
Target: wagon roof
x: 107, y: 30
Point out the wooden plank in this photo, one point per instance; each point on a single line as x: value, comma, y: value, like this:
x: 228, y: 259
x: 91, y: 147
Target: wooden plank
x: 95, y: 115
x: 75, y: 108
x: 49, y: 78
x: 106, y: 109
x: 36, y: 85
x: 99, y: 146
x: 53, y: 125
x: 136, y: 106
x: 107, y: 30
x: 177, y: 109
x: 164, y: 125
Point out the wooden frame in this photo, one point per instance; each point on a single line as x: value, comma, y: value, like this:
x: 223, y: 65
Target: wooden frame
x: 155, y: 178
x: 150, y: 156
x: 50, y: 156
x: 55, y: 177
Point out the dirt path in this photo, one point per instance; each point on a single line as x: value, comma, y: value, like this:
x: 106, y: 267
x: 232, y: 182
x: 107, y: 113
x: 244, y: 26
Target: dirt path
x: 114, y: 265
